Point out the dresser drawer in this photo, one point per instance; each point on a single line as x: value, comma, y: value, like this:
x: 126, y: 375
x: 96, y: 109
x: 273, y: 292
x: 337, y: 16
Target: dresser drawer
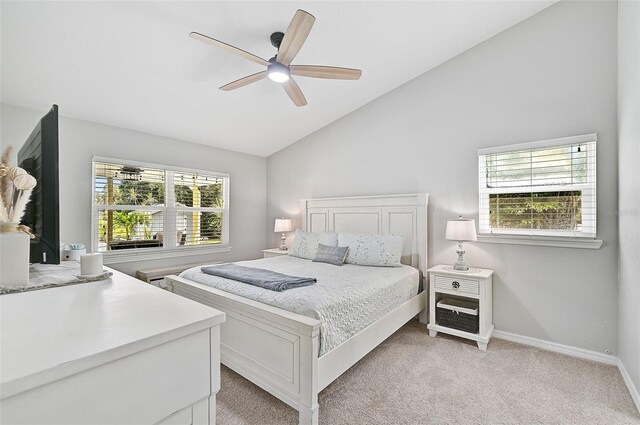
x: 142, y: 388
x: 183, y: 417
x: 457, y: 285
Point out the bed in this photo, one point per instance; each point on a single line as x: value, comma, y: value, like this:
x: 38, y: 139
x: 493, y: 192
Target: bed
x: 294, y: 352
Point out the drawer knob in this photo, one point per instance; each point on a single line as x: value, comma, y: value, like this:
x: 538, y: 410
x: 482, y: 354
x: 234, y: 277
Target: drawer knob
x: 455, y: 284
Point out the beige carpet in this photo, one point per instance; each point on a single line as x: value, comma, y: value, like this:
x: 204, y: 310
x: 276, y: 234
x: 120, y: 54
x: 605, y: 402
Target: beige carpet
x: 414, y: 379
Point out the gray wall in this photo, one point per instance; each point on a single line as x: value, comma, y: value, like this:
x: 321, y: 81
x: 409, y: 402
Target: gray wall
x: 552, y: 75
x: 80, y: 140
x: 629, y: 186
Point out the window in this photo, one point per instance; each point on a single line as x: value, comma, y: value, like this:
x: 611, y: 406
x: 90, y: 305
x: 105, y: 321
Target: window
x: 155, y: 207
x: 545, y: 188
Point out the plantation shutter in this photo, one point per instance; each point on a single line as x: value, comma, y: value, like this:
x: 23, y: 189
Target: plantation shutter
x: 544, y: 188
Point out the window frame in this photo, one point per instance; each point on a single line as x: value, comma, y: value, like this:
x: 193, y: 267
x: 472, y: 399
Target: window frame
x: 170, y: 248
x: 586, y: 238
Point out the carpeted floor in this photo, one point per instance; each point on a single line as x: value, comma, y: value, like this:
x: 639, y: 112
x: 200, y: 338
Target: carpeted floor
x: 414, y: 379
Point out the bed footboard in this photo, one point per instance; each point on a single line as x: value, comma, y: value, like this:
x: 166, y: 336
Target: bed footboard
x: 275, y: 349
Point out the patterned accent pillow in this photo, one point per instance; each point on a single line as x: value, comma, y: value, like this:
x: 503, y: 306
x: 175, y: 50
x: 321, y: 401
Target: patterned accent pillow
x: 372, y: 250
x: 305, y: 244
x: 331, y: 254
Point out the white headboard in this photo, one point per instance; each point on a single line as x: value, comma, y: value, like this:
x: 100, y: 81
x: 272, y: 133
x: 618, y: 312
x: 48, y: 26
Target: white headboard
x: 404, y: 215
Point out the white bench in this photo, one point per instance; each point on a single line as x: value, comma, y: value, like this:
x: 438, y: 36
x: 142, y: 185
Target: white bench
x: 156, y: 276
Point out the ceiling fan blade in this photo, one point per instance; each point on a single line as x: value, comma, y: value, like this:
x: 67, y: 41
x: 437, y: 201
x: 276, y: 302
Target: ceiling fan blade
x: 295, y: 36
x: 331, y: 72
x: 244, y: 81
x: 228, y: 47
x: 294, y: 92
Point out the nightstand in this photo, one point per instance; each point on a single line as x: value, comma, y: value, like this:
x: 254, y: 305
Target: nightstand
x: 274, y: 252
x: 475, y: 285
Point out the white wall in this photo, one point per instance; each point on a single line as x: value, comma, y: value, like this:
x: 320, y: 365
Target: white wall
x: 552, y: 75
x: 629, y: 187
x: 80, y: 140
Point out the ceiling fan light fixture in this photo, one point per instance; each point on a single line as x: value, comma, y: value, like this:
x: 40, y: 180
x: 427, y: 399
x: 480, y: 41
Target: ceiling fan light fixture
x: 278, y: 73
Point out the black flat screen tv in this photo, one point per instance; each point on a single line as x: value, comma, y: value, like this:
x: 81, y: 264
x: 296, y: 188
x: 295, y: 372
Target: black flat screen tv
x: 39, y: 157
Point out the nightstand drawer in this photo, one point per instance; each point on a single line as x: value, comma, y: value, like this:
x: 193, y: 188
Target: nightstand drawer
x: 457, y: 285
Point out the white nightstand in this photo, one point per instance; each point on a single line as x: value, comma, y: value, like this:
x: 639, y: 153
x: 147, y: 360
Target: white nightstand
x: 274, y: 252
x: 474, y: 285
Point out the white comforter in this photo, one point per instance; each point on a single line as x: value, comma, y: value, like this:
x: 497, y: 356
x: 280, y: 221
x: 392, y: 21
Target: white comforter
x: 346, y: 298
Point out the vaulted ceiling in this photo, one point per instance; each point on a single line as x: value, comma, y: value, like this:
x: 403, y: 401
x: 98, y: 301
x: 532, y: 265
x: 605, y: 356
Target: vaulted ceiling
x: 132, y: 64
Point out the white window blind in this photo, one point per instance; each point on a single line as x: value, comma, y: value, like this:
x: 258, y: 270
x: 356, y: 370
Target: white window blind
x: 145, y: 206
x: 200, y: 207
x: 544, y: 188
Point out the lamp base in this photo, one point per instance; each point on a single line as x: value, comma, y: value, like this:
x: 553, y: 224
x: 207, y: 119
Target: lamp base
x: 460, y: 265
x: 283, y: 247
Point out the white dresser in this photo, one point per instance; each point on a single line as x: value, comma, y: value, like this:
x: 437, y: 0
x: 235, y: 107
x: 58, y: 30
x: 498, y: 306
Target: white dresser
x: 118, y: 351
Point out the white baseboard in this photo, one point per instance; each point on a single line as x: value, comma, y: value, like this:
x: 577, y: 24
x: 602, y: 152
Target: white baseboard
x: 558, y: 348
x: 630, y: 385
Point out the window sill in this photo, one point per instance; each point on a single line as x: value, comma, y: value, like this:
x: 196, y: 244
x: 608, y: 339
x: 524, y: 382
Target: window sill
x: 583, y: 243
x: 157, y: 254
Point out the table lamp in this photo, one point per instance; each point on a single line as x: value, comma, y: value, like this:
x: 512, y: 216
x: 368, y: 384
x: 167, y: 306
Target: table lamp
x: 283, y: 225
x: 461, y: 230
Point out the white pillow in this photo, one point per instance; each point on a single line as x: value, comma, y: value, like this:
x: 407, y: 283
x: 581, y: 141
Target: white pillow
x: 372, y: 250
x: 305, y: 244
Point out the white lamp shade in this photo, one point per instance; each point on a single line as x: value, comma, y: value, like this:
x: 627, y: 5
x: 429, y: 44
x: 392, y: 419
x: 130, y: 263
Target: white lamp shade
x: 462, y: 229
x: 283, y: 225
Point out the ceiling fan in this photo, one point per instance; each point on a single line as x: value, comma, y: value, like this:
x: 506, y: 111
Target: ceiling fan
x: 279, y: 68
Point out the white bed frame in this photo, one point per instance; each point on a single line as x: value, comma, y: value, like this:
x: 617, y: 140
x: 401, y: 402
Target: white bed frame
x: 277, y: 349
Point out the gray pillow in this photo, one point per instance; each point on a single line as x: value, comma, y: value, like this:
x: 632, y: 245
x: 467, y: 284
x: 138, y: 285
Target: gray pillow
x: 331, y: 254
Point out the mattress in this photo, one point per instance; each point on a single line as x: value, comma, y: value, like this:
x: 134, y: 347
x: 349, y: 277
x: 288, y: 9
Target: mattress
x: 346, y: 298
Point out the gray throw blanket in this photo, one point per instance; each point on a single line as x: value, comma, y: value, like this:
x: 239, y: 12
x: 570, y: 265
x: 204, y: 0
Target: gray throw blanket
x: 258, y: 277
